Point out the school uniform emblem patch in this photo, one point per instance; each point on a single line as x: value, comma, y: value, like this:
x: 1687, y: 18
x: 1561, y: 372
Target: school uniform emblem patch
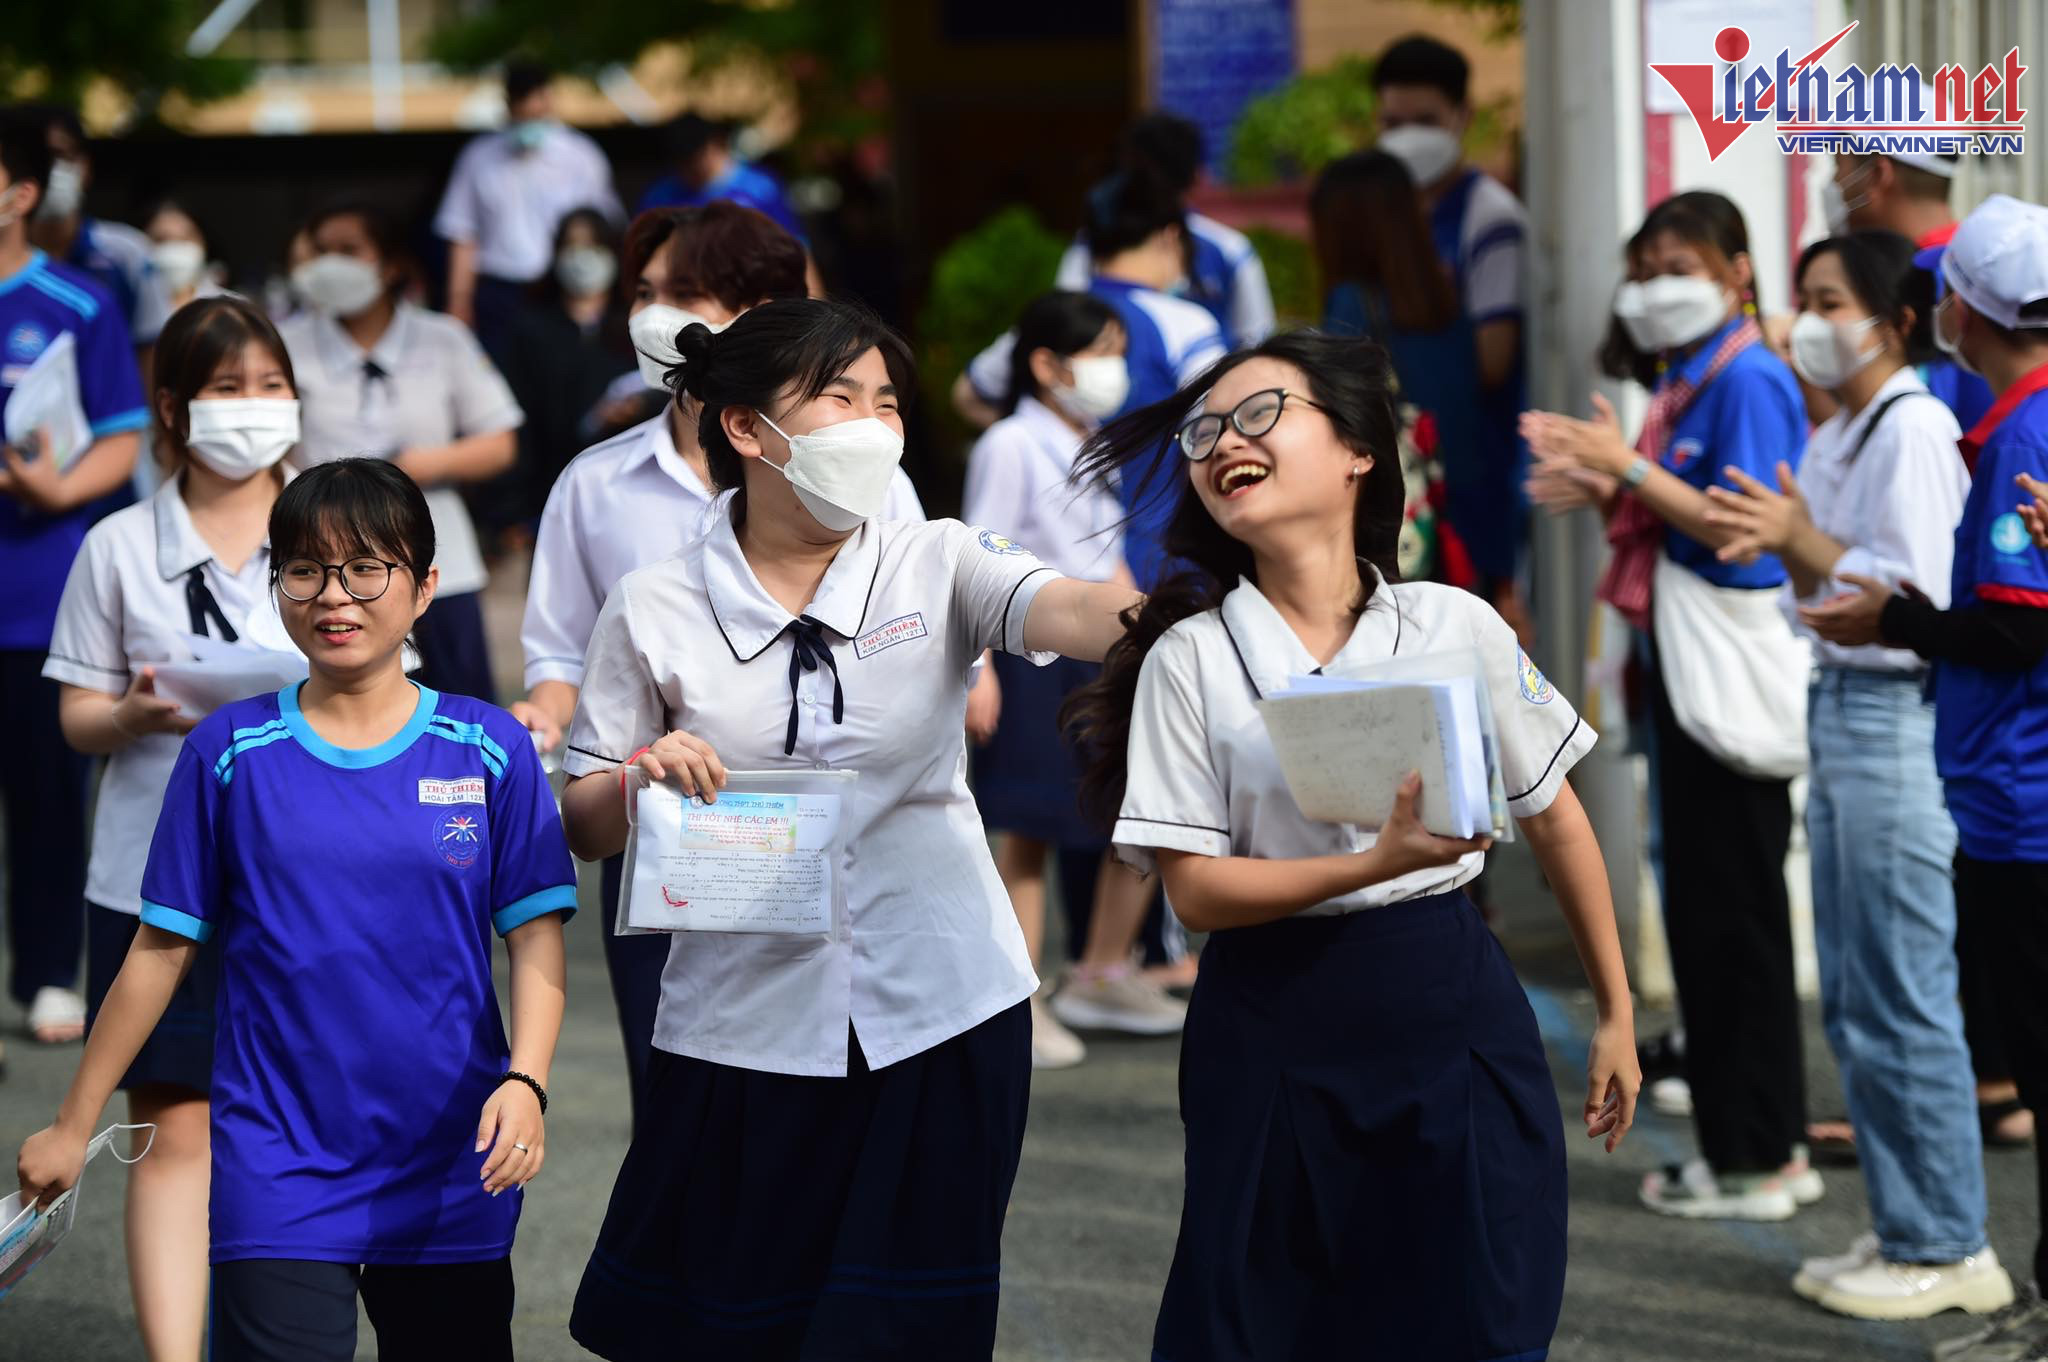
x: 1535, y: 685
x: 2009, y: 534
x: 459, y: 838
x: 468, y: 790
x: 996, y: 543
x: 1685, y: 451
x: 899, y: 630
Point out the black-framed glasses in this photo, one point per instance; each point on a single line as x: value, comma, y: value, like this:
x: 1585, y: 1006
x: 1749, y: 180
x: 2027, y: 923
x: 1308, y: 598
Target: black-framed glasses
x: 1251, y: 418
x: 301, y: 579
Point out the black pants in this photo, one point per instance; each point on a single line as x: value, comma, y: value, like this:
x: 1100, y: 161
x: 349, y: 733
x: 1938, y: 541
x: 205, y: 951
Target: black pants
x: 634, y: 964
x: 1730, y: 928
x: 455, y: 658
x: 1981, y: 1028
x: 43, y: 786
x: 2008, y: 902
x: 288, y: 1310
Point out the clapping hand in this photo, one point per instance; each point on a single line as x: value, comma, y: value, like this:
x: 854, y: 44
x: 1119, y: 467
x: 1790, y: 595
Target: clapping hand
x: 1764, y: 520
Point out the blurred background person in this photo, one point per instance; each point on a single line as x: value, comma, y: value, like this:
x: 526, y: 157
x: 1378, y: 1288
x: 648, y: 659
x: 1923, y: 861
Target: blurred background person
x: 703, y: 168
x: 382, y: 376
x: 177, y: 252
x: 508, y: 192
x: 114, y: 254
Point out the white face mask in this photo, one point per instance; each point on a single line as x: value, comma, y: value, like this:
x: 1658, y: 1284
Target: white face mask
x: 1827, y: 353
x: 178, y: 263
x: 1102, y: 384
x: 653, y: 331
x: 1952, y: 347
x: 1428, y: 152
x: 338, y: 285
x: 64, y: 191
x: 1836, y: 206
x: 1670, y: 310
x: 238, y: 437
x: 584, y: 270
x: 842, y: 472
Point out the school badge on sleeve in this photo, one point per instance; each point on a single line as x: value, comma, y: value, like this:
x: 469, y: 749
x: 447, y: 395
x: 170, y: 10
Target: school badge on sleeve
x: 1535, y: 685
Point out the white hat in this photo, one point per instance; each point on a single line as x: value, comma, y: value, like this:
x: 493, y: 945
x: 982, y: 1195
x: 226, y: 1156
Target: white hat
x: 1934, y: 163
x: 1998, y: 261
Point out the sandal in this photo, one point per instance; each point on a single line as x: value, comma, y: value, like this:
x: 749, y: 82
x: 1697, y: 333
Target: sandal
x: 56, y: 1016
x: 1992, y: 1118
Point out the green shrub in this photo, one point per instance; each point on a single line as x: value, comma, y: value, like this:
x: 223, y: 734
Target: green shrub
x: 979, y: 285
x: 1291, y: 274
x: 1297, y: 129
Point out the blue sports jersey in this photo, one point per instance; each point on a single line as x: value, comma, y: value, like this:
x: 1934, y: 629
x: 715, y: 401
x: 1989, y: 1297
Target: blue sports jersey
x: 747, y: 185
x: 1750, y: 417
x: 1991, y: 727
x: 355, y: 891
x: 38, y: 303
x: 1967, y: 395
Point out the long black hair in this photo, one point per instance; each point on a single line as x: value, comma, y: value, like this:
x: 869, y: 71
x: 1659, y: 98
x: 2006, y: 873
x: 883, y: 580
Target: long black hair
x: 1353, y: 382
x: 1880, y: 270
x: 780, y: 351
x: 1700, y: 218
x: 1064, y: 323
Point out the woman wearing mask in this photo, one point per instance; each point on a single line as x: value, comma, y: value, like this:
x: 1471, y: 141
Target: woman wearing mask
x: 568, y: 347
x: 379, y: 375
x: 638, y: 497
x: 371, y: 1108
x: 1068, y: 375
x: 832, y: 1122
x: 1879, y: 492
x: 178, y: 253
x: 1373, y: 1143
x: 193, y: 559
x: 1721, y: 401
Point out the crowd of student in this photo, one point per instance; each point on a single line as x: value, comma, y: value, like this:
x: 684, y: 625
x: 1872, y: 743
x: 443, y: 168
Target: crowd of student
x: 1172, y: 510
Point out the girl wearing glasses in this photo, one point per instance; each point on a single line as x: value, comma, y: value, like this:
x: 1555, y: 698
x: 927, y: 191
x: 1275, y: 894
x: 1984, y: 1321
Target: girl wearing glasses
x: 831, y: 1122
x: 1370, y: 1118
x: 193, y: 559
x: 358, y: 837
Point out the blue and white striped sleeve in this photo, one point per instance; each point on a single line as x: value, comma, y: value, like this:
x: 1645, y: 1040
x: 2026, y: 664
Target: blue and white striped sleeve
x: 182, y: 880
x: 531, y: 873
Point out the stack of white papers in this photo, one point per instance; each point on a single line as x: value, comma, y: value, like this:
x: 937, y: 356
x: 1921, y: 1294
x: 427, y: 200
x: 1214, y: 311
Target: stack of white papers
x: 45, y: 398
x: 221, y: 673
x: 1346, y: 743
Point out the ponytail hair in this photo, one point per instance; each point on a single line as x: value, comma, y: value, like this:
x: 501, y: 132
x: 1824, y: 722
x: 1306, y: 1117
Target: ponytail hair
x: 1352, y: 381
x: 779, y: 354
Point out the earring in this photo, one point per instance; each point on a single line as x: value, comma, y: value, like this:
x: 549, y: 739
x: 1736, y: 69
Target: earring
x: 1353, y: 476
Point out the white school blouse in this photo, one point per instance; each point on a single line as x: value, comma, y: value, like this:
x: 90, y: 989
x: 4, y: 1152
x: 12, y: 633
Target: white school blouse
x: 929, y: 945
x: 1895, y: 504
x: 621, y: 504
x: 1203, y: 777
x: 436, y: 386
x: 125, y: 606
x: 1020, y: 481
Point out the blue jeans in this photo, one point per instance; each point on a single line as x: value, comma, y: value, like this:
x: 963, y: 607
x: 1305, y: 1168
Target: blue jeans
x: 1884, y: 919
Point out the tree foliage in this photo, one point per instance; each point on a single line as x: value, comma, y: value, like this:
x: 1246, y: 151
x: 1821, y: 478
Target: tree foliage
x: 979, y: 285
x: 53, y: 50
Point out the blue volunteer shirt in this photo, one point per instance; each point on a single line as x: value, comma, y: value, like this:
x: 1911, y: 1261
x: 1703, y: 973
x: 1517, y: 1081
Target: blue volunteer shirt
x: 355, y: 892
x: 1967, y: 395
x: 1749, y: 417
x: 747, y: 185
x: 38, y: 303
x: 1991, y: 727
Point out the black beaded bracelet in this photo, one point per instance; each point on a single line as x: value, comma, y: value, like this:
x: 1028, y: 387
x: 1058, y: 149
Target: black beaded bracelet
x: 514, y: 1076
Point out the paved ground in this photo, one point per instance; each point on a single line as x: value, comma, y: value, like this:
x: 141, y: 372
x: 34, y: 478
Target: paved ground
x: 1092, y: 1224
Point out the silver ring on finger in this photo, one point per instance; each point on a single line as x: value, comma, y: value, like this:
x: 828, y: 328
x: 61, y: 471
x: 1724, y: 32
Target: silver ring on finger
x: 521, y: 1148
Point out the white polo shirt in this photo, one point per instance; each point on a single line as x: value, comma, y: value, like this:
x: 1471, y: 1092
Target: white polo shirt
x: 1203, y: 777
x: 437, y: 386
x: 621, y: 504
x: 125, y: 605
x: 1895, y: 504
x: 929, y: 945
x: 1019, y: 483
x: 510, y: 202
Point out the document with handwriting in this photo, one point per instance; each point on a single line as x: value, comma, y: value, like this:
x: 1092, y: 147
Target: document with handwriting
x: 750, y: 862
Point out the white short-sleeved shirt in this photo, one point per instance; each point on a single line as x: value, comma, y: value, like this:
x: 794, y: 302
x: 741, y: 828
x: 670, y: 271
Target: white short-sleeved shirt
x: 1493, y: 252
x: 1895, y: 504
x: 619, y: 505
x: 124, y: 606
x: 1020, y: 483
x: 928, y: 946
x: 1203, y: 777
x: 438, y: 386
x: 1169, y: 341
x: 510, y: 202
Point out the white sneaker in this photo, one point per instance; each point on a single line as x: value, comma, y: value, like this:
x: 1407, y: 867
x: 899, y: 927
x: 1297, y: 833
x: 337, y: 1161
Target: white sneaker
x: 1802, y: 1179
x: 1816, y: 1273
x: 1119, y: 1002
x: 1053, y: 1046
x: 1692, y: 1192
x: 1882, y: 1290
x: 1671, y: 1097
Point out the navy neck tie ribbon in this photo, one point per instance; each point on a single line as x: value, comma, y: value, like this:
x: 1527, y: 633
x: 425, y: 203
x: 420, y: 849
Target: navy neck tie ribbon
x: 201, y: 606
x: 808, y: 636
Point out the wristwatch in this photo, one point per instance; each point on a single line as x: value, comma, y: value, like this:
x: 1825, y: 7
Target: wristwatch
x: 1633, y: 475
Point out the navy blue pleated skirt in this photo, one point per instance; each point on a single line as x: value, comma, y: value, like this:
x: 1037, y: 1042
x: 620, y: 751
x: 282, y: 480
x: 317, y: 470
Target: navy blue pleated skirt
x: 179, y: 1052
x: 763, y: 1216
x: 1375, y: 1156
x: 1026, y: 780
